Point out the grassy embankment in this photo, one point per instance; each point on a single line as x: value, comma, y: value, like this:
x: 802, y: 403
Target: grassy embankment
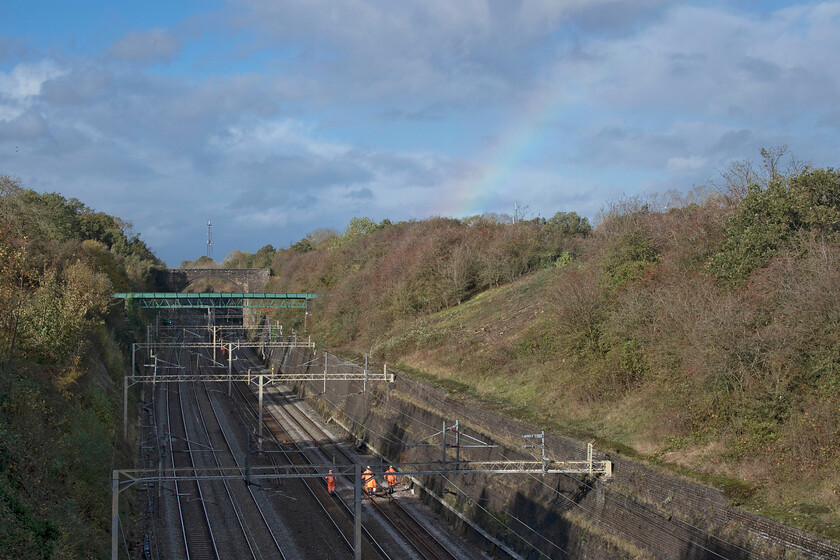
x: 703, y: 338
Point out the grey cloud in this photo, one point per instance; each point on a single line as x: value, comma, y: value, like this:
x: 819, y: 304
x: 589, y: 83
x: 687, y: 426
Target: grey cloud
x: 760, y: 70
x: 415, y: 170
x: 273, y: 182
x: 79, y: 88
x: 429, y: 113
x: 430, y: 50
x: 361, y: 194
x: 734, y: 142
x: 28, y: 126
x: 617, y: 16
x: 683, y: 65
x: 831, y: 120
x: 147, y: 47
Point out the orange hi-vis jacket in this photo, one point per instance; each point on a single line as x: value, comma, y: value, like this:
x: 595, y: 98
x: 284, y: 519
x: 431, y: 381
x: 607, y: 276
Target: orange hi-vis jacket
x: 391, y: 477
x: 369, y: 480
x: 330, y: 478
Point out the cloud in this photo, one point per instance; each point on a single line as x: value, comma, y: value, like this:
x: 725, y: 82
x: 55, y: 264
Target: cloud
x: 314, y: 112
x: 78, y: 87
x: 146, y: 47
x: 690, y: 163
x: 429, y: 51
x: 705, y: 60
x: 26, y: 127
x: 20, y: 87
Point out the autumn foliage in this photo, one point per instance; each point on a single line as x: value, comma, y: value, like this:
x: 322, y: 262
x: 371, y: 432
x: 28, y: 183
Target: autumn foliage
x: 60, y: 366
x: 698, y: 330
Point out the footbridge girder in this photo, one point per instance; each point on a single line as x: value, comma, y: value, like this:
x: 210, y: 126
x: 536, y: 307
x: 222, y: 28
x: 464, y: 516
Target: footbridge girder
x: 218, y: 300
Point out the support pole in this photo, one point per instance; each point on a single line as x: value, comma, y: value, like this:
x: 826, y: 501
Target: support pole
x: 325, y: 373
x: 357, y: 497
x: 230, y: 366
x: 260, y: 418
x: 115, y: 513
x: 589, y: 456
x: 364, y: 383
x: 125, y: 407
x: 544, y: 457
x: 443, y: 444
x: 214, y: 343
x: 457, y: 442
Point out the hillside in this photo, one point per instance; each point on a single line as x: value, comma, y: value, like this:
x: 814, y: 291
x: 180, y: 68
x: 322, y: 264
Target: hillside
x: 62, y: 360
x: 698, y: 333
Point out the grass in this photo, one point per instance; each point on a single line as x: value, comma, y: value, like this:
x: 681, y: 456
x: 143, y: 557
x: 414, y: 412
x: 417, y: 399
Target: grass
x: 497, y: 351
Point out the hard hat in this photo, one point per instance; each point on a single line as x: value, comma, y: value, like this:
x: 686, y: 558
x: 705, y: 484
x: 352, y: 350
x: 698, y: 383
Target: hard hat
x: 368, y: 466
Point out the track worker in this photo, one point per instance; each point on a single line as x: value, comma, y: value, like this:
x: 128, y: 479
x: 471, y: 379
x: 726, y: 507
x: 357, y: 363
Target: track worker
x: 330, y: 478
x: 391, y: 479
x: 369, y: 482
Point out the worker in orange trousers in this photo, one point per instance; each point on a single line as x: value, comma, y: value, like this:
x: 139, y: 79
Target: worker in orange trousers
x: 369, y: 481
x: 391, y: 479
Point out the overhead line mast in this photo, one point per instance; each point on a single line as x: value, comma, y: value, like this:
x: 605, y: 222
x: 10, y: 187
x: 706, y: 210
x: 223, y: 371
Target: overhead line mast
x: 209, y: 240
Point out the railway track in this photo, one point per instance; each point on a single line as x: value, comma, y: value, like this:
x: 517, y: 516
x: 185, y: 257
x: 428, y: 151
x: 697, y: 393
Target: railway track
x: 340, y: 510
x: 284, y: 414
x: 196, y: 425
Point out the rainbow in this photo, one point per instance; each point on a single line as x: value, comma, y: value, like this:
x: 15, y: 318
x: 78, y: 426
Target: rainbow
x: 493, y: 187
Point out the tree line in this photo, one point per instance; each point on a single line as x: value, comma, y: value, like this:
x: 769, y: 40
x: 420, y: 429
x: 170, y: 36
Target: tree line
x: 62, y: 343
x: 706, y: 325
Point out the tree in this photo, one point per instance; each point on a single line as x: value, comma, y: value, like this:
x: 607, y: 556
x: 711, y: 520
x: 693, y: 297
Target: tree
x: 568, y: 223
x: 303, y: 246
x: 263, y: 257
x: 740, y: 175
x: 770, y: 220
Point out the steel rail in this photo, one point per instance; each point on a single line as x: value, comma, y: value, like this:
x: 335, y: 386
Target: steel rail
x: 418, y: 540
x: 236, y: 511
x: 291, y: 421
x: 250, y: 491
x: 197, y: 482
x: 349, y: 510
x: 188, y: 543
x: 249, y: 410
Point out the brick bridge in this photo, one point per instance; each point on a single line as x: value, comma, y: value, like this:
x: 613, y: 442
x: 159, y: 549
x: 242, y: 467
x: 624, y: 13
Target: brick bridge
x: 247, y: 280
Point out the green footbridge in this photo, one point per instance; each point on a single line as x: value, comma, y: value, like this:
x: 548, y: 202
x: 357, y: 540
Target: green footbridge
x: 219, y: 300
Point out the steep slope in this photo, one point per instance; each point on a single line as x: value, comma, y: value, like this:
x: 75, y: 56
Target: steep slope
x: 699, y: 333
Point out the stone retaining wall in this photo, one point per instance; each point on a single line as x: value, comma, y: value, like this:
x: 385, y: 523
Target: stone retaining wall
x: 639, y: 513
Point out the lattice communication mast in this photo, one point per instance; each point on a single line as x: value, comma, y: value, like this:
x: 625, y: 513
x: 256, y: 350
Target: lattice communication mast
x: 209, y: 240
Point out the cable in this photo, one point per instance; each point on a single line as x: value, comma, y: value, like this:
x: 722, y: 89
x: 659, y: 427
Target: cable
x: 602, y: 522
x: 583, y: 482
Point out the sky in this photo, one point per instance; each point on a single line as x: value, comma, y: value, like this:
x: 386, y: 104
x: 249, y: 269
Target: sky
x: 273, y: 119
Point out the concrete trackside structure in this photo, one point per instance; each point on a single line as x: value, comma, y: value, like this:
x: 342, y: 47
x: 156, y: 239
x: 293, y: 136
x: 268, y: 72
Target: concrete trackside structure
x: 640, y: 512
